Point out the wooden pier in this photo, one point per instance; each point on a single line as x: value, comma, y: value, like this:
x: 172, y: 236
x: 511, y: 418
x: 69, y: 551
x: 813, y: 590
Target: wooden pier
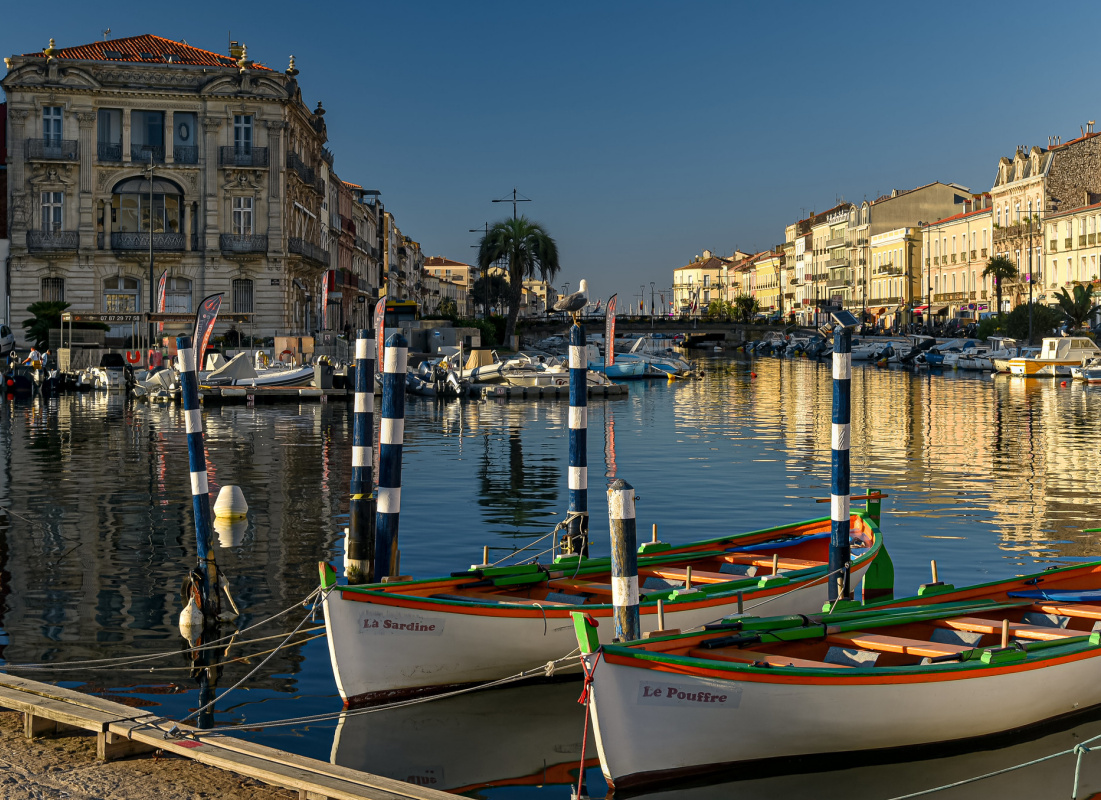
x: 500, y: 392
x: 123, y: 731
x: 250, y: 395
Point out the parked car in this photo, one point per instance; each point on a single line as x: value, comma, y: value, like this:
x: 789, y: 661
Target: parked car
x: 7, y: 341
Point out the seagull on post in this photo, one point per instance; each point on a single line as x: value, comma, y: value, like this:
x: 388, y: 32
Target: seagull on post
x: 574, y: 303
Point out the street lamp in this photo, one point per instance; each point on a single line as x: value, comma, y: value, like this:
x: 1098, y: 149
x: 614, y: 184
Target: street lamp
x: 652, y: 284
x: 152, y: 287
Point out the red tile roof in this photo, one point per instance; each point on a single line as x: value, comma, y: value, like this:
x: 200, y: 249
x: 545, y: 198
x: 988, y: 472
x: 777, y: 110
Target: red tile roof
x: 959, y: 216
x: 440, y: 261
x: 145, y: 49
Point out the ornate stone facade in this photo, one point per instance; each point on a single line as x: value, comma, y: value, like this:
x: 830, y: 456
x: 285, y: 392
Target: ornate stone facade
x: 239, y: 173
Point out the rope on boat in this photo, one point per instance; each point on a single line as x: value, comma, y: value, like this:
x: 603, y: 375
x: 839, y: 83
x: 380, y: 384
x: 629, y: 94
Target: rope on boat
x: 809, y: 583
x: 1078, y: 750
x: 122, y: 661
x: 544, y: 670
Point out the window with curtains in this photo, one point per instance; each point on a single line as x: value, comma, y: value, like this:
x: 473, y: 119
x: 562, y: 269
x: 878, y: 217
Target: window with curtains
x: 51, y: 211
x: 242, y: 215
x: 52, y: 124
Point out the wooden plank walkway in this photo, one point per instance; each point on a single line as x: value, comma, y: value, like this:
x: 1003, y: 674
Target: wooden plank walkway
x: 499, y: 392
x: 250, y: 395
x: 123, y: 731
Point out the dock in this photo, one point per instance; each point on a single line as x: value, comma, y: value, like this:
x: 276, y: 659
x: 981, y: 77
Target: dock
x: 123, y: 731
x: 251, y: 395
x: 500, y: 392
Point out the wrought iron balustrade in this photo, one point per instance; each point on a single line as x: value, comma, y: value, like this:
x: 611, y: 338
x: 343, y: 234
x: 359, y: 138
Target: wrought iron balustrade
x: 52, y: 241
x: 308, y: 250
x: 140, y: 152
x: 53, y: 149
x: 234, y: 156
x: 185, y: 154
x: 135, y: 240
x: 243, y: 243
x: 105, y: 151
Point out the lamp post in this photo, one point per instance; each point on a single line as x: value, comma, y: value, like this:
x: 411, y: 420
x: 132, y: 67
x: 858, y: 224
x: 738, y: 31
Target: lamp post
x: 652, y: 285
x: 152, y: 287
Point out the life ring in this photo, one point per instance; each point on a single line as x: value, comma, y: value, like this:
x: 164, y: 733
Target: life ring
x: 561, y: 381
x: 133, y: 356
x: 287, y: 357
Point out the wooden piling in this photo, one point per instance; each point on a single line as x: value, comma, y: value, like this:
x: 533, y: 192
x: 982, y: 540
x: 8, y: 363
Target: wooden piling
x: 621, y: 519
x: 391, y: 438
x: 578, y: 526
x: 359, y: 548
x: 840, y: 554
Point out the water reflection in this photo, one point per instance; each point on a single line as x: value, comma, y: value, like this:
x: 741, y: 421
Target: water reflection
x: 990, y: 476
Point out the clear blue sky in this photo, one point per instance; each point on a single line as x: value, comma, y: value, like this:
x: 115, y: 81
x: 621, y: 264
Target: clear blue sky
x: 643, y: 132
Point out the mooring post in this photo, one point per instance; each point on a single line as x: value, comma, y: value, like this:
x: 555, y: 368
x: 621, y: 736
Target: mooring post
x: 359, y: 548
x: 391, y: 436
x: 621, y: 521
x: 200, y: 491
x: 578, y: 527
x: 839, y: 483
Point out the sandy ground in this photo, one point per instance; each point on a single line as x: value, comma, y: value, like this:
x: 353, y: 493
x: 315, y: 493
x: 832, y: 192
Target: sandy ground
x: 65, y: 768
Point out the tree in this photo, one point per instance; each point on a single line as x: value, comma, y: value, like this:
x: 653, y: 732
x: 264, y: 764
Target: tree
x: 448, y: 308
x: 529, y: 251
x: 1077, y: 308
x: 1003, y: 271
x: 495, y: 297
x: 45, y: 315
x: 1045, y: 320
x: 745, y: 307
x: 719, y: 309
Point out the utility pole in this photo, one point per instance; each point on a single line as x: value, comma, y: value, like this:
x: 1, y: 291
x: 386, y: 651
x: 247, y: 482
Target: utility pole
x: 516, y: 198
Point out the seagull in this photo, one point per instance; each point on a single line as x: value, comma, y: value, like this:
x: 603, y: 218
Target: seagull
x: 574, y: 303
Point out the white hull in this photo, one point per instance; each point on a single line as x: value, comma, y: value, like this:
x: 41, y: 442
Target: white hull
x: 760, y: 719
x: 373, y: 657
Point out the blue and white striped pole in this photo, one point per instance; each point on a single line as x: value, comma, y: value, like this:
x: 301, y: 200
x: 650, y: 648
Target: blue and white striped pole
x: 839, y: 482
x: 359, y: 548
x: 391, y: 436
x: 577, y: 529
x: 200, y: 490
x: 621, y: 523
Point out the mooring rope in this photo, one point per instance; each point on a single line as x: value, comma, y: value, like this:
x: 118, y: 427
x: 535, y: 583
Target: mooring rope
x: 122, y: 661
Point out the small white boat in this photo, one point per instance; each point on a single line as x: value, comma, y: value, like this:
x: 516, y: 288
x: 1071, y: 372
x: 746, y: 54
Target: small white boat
x: 658, y: 354
x: 1090, y: 371
x: 239, y: 371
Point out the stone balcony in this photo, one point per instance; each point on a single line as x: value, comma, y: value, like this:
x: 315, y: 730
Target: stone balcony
x: 53, y: 150
x: 242, y: 156
x: 309, y: 251
x: 238, y: 244
x: 139, y: 241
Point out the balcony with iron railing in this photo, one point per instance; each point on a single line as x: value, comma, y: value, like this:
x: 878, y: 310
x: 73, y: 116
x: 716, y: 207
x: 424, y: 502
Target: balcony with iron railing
x: 233, y: 156
x: 53, y: 150
x: 105, y: 151
x: 836, y: 241
x: 1091, y: 239
x: 838, y: 283
x: 134, y: 240
x: 1082, y: 240
x: 53, y: 241
x: 140, y: 153
x: 983, y: 251
x: 1068, y: 242
x: 243, y: 243
x: 185, y: 154
x: 889, y: 269
x: 949, y: 297
x: 974, y: 255
x: 305, y: 172
x: 843, y: 261
x: 308, y: 250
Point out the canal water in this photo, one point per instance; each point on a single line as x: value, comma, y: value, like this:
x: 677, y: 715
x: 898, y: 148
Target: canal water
x: 990, y: 476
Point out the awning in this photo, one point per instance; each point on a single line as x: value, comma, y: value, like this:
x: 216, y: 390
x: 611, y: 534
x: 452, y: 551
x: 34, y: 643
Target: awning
x: 899, y: 309
x: 938, y: 310
x: 880, y: 311
x: 919, y: 309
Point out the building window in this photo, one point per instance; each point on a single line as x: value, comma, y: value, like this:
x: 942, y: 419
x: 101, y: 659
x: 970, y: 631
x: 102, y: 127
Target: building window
x: 242, y: 133
x: 51, y: 125
x: 242, y: 215
x: 147, y: 135
x: 132, y: 210
x: 177, y: 296
x: 51, y: 211
x: 109, y: 134
x: 53, y: 290
x: 242, y: 296
x: 121, y: 295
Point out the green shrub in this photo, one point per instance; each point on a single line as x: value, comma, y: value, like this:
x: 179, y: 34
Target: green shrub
x: 1045, y: 320
x: 991, y: 327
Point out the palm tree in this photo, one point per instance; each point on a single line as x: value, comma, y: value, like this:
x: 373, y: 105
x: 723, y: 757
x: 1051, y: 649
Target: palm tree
x: 1002, y: 270
x: 529, y: 250
x: 1077, y: 308
x: 745, y: 307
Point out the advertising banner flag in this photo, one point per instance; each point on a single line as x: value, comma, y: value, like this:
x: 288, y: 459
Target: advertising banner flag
x: 609, y: 333
x: 204, y: 324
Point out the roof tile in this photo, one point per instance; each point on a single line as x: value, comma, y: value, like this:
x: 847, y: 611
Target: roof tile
x: 145, y: 49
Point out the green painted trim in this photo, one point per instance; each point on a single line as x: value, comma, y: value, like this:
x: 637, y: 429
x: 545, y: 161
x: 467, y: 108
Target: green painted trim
x: 1002, y: 655
x: 879, y: 580
x: 587, y: 638
x: 327, y: 574
x: 653, y: 547
x: 930, y: 589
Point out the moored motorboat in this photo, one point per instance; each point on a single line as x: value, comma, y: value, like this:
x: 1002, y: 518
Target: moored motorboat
x: 1089, y: 371
x: 1056, y: 357
x: 943, y: 666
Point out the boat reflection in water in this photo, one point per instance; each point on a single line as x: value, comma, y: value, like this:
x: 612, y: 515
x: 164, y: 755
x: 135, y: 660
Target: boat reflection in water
x: 526, y: 735
x: 1053, y: 778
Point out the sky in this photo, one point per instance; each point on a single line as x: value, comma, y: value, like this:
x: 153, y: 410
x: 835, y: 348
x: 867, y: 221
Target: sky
x: 643, y: 133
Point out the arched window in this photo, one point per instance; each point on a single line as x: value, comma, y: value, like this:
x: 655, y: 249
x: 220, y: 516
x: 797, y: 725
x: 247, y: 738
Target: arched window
x: 133, y: 209
x: 177, y: 296
x: 121, y: 295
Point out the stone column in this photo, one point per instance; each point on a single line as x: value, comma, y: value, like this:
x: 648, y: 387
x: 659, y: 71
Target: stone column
x: 86, y: 120
x: 169, y: 135
x: 126, y: 135
x: 211, y: 175
x: 187, y: 226
x: 18, y: 117
x: 275, y: 155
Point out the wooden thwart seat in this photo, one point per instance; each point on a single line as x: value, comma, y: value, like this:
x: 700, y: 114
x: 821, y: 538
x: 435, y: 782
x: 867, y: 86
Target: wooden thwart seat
x: 896, y: 644
x: 750, y: 657
x: 1076, y: 610
x: 1016, y: 629
x: 758, y: 560
x: 581, y: 586
x: 698, y: 576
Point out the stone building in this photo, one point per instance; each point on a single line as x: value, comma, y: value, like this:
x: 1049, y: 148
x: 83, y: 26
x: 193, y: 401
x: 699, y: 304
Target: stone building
x: 241, y: 196
x: 955, y: 251
x: 456, y: 281
x: 1073, y: 249
x: 894, y: 262
x: 696, y: 283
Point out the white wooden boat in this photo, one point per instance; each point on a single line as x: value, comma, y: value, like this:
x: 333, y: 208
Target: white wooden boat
x: 1057, y: 356
x: 923, y: 670
x: 1090, y: 371
x: 486, y: 623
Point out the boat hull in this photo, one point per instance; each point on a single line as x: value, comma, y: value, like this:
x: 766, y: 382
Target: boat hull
x: 754, y: 718
x: 384, y: 646
x: 1034, y: 367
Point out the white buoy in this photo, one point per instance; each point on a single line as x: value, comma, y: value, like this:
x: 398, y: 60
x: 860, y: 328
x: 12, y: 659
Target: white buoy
x: 191, y: 621
x: 231, y: 532
x: 230, y: 503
